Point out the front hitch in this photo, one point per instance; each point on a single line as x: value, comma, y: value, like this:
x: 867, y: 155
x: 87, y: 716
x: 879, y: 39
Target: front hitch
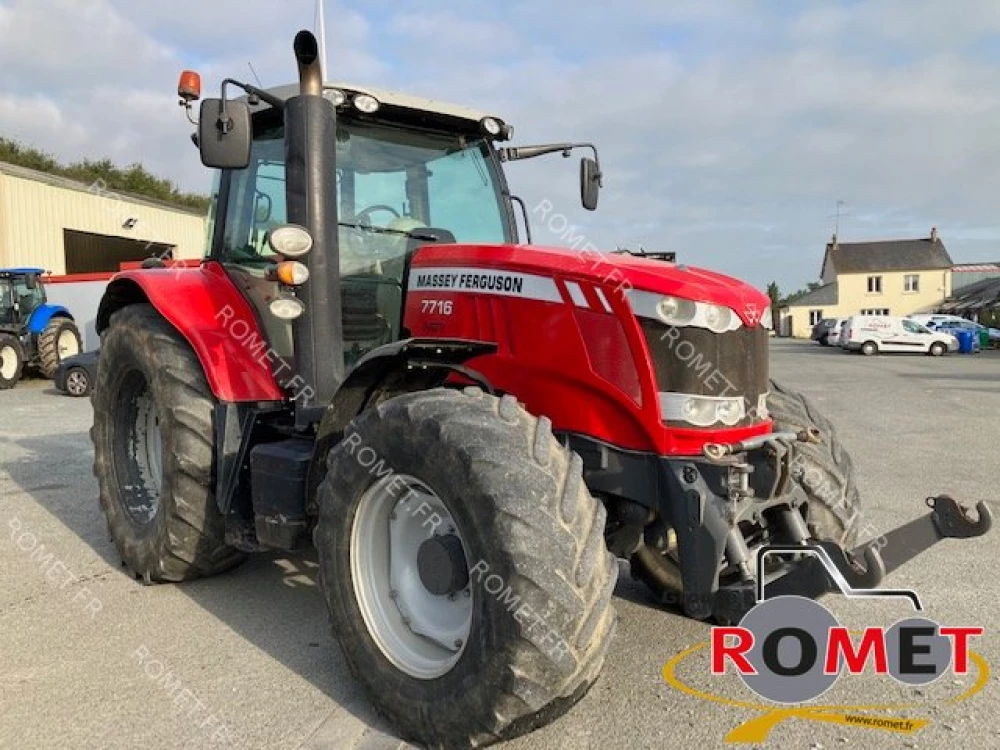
x: 827, y: 567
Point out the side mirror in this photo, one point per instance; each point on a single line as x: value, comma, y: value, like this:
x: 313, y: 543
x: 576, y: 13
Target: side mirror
x: 31, y: 281
x: 262, y: 211
x: 224, y: 134
x: 590, y: 183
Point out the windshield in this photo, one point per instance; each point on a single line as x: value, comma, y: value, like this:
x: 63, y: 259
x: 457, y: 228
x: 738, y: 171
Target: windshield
x: 390, y: 181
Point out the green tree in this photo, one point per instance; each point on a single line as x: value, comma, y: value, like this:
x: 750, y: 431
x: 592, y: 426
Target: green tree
x: 811, y: 286
x: 132, y: 180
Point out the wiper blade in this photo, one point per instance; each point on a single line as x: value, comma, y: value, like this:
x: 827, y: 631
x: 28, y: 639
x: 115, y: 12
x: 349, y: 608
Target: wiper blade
x: 369, y: 228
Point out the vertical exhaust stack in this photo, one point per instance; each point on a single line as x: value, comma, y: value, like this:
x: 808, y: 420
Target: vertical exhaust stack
x: 311, y: 194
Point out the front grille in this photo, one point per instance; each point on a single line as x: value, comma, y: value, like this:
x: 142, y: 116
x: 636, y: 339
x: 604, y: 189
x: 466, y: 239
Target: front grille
x: 698, y: 362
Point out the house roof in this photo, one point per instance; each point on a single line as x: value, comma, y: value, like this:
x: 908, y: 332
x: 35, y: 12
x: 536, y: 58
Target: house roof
x: 824, y: 295
x: 94, y: 189
x: 887, y: 255
x: 975, y: 296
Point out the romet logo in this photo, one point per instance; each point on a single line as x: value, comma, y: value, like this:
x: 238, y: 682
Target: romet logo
x: 789, y: 650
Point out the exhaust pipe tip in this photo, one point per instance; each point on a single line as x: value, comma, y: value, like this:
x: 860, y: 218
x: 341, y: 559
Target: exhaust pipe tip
x: 306, y: 50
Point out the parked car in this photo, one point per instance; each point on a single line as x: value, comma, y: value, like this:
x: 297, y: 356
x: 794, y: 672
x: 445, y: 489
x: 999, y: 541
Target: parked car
x: 932, y: 320
x: 821, y: 331
x: 76, y: 375
x: 833, y: 337
x: 949, y: 326
x: 874, y: 334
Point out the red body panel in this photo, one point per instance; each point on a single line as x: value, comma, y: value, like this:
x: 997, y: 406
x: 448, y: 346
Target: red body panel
x: 210, y: 312
x: 555, y: 354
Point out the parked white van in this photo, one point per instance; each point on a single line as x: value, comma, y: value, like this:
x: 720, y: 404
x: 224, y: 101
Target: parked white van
x: 874, y: 334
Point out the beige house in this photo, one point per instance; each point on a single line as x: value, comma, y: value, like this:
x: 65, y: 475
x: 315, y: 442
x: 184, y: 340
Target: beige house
x: 887, y: 277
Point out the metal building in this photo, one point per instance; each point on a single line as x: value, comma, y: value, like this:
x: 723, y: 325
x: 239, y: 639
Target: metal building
x: 68, y: 227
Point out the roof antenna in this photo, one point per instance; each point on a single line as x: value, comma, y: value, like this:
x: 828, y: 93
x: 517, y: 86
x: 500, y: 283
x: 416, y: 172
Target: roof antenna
x: 321, y: 37
x: 256, y: 77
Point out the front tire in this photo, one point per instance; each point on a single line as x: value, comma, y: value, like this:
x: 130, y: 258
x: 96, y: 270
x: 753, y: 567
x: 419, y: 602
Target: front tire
x: 530, y: 552
x: 59, y: 340
x: 936, y: 349
x: 11, y: 361
x: 823, y: 470
x: 153, y: 451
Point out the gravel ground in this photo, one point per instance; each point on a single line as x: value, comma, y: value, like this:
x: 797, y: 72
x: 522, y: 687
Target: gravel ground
x: 89, y: 657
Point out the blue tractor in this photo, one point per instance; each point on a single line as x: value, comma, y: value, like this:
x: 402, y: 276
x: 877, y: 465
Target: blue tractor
x: 33, y: 333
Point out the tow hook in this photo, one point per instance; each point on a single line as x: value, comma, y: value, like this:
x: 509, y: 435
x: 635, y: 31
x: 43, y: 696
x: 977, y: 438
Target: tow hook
x: 716, y: 452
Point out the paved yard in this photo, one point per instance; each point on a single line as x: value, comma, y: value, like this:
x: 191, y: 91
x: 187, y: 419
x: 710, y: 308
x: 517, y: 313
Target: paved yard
x: 89, y: 658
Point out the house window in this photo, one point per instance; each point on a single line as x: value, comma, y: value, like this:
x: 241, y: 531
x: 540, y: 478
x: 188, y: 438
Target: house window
x: 876, y: 311
x: 815, y: 316
x: 874, y: 284
x: 911, y: 282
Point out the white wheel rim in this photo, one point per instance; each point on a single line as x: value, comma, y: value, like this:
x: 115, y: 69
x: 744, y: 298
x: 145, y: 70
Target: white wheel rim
x: 149, y: 443
x: 66, y: 344
x: 76, y: 383
x: 421, y: 633
x: 8, y: 362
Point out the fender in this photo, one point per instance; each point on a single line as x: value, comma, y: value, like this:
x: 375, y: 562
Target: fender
x: 41, y: 316
x: 205, y: 307
x: 398, y: 367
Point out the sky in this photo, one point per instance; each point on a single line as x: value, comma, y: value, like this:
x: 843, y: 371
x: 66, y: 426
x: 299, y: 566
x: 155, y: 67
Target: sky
x: 728, y: 130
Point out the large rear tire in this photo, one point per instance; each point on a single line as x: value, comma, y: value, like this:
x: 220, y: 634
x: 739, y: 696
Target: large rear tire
x: 11, y: 361
x: 59, y: 340
x: 522, y: 618
x: 824, y: 470
x: 153, y: 453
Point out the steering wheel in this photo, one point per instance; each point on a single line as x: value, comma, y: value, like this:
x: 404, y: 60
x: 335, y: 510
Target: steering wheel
x: 364, y: 218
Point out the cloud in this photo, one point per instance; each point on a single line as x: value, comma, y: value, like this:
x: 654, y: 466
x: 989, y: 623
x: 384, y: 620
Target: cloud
x: 727, y: 130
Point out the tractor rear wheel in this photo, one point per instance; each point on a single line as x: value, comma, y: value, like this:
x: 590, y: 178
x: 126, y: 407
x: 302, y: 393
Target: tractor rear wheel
x: 11, y: 361
x: 824, y: 470
x: 463, y: 563
x: 153, y: 451
x: 58, y: 340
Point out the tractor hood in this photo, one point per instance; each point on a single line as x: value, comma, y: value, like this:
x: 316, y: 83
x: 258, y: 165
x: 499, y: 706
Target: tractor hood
x: 612, y: 271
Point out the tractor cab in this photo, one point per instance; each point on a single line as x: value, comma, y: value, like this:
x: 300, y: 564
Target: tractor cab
x: 408, y: 172
x: 21, y: 293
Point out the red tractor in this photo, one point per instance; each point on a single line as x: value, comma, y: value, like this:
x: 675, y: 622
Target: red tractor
x: 469, y: 430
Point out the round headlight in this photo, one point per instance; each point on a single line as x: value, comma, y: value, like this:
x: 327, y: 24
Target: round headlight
x: 699, y: 411
x: 290, y: 240
x: 336, y: 96
x: 728, y: 411
x: 365, y: 103
x: 286, y: 308
x: 767, y: 319
x: 675, y: 311
x: 717, y: 318
x: 490, y: 125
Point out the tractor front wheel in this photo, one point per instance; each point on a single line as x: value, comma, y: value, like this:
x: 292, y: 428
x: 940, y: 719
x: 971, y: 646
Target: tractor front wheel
x: 153, y: 451
x: 464, y: 567
x: 11, y: 361
x: 59, y: 340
